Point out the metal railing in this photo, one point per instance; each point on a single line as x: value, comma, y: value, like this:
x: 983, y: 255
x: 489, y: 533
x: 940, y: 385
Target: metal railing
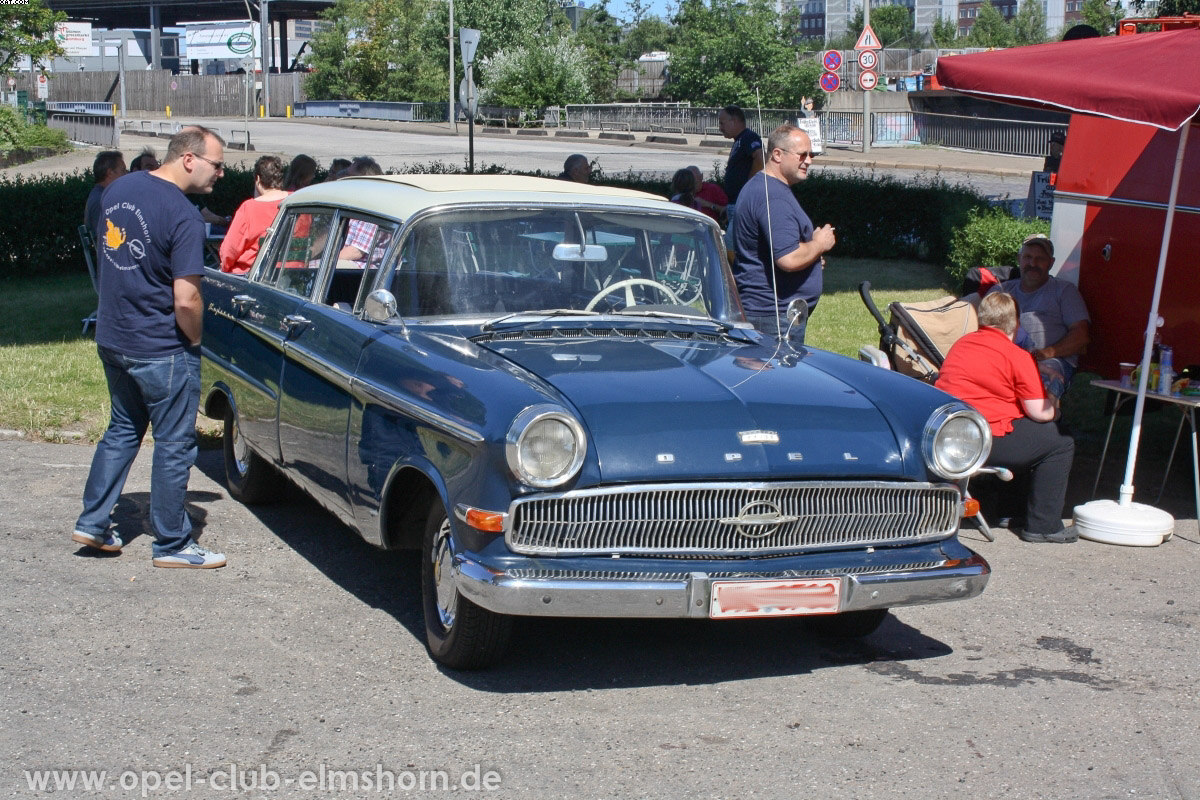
x: 690, y: 119
x: 369, y: 109
x: 909, y: 128
x: 86, y: 128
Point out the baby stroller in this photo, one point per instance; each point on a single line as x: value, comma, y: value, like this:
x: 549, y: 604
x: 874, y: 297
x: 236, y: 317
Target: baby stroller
x: 915, y: 341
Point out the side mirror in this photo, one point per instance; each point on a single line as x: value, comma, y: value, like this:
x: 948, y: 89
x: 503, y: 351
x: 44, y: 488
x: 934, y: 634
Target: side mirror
x: 380, y: 306
x: 797, y: 313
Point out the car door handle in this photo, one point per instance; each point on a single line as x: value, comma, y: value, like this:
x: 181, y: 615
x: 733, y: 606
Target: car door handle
x: 295, y: 323
x: 240, y: 302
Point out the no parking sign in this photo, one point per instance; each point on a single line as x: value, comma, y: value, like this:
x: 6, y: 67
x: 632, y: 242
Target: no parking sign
x: 830, y: 82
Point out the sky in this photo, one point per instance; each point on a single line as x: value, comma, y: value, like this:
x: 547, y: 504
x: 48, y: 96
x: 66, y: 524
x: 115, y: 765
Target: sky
x: 658, y: 8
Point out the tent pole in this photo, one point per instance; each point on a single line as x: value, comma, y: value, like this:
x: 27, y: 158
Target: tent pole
x: 1126, y: 496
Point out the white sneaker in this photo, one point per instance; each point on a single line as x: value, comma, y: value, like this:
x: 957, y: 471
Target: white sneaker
x: 108, y: 541
x: 193, y: 556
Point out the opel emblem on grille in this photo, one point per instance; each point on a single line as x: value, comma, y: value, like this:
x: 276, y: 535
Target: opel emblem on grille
x: 758, y: 519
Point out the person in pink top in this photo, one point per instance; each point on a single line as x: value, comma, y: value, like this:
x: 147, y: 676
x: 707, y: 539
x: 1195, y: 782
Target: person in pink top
x: 253, y: 217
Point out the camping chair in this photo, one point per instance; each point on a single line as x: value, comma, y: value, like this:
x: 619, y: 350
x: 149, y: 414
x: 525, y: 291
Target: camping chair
x: 89, y: 256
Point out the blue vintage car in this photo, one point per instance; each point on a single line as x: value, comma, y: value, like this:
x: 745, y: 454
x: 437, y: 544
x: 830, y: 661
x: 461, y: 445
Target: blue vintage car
x: 550, y: 390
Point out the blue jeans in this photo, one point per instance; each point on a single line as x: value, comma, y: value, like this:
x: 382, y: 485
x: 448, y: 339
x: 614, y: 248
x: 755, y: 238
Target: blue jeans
x: 163, y: 392
x: 772, y: 325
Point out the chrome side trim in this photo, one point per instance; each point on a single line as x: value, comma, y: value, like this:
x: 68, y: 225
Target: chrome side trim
x: 680, y: 594
x: 398, y: 404
x: 324, y: 368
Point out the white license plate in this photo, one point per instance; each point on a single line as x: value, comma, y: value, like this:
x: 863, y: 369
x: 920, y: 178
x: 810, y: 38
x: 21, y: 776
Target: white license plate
x: 774, y: 598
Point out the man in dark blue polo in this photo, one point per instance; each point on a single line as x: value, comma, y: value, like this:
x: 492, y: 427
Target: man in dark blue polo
x: 150, y: 259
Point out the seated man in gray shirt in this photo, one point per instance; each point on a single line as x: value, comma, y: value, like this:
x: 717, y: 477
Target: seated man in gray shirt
x: 1053, y: 315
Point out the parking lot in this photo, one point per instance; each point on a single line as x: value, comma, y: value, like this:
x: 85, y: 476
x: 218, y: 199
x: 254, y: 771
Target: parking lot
x: 301, y: 669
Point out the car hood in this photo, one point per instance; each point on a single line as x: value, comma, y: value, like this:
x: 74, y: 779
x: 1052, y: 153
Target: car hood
x: 678, y: 408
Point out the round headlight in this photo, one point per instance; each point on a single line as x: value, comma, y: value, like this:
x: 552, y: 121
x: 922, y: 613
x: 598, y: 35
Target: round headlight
x: 545, y: 446
x: 957, y: 441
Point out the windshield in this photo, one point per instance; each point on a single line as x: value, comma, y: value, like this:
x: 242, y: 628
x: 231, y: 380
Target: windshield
x: 500, y: 262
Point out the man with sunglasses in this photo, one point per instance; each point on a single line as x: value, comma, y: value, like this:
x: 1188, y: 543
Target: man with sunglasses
x: 150, y: 264
x: 772, y: 229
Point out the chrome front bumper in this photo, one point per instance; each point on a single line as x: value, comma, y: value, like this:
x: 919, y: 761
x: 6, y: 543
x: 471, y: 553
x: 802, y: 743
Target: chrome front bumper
x: 687, y: 594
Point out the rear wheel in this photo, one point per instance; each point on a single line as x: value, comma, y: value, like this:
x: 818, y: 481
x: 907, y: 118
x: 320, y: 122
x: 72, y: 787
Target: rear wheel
x: 460, y: 634
x: 849, y: 625
x: 249, y: 477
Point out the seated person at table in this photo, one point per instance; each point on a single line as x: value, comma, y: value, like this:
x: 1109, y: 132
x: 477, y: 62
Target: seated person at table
x: 253, y: 217
x: 1053, y: 315
x: 1001, y: 382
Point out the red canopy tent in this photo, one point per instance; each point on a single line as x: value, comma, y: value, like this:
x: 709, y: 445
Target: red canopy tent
x: 1150, y: 79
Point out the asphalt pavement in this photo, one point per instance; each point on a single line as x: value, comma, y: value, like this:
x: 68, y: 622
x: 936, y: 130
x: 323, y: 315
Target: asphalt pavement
x: 301, y: 666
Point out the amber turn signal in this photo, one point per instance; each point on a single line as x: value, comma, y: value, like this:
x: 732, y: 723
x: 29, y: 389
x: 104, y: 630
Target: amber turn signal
x: 488, y: 521
x: 970, y: 507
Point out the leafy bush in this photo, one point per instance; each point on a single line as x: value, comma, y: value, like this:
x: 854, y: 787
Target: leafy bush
x: 990, y: 237
x: 40, y: 218
x: 17, y: 134
x: 882, y: 217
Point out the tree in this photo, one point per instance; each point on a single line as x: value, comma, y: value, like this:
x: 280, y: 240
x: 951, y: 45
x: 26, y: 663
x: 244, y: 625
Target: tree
x: 1104, y: 16
x: 944, y: 32
x: 990, y: 29
x: 508, y: 24
x: 378, y: 50
x: 600, y: 37
x: 537, y: 76
x: 892, y: 24
x: 724, y: 49
x: 27, y: 30
x: 1177, y: 8
x: 646, y: 36
x: 1029, y: 25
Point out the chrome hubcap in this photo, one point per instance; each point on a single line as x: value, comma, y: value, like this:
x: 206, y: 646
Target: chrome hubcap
x: 241, y: 451
x: 443, y: 575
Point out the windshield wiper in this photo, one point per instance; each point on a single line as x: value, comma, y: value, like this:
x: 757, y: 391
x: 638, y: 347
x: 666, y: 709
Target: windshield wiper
x: 633, y: 312
x: 542, y: 313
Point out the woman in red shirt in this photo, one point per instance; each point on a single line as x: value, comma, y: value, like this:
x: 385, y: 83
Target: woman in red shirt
x: 1001, y: 381
x: 253, y: 217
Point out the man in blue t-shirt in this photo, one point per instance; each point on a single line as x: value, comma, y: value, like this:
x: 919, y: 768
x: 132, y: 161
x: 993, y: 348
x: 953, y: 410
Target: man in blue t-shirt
x: 745, y: 160
x: 150, y: 263
x: 772, y: 229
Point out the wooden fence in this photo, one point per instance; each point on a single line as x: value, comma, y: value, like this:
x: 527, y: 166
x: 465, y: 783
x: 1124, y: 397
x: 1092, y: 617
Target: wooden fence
x: 153, y: 91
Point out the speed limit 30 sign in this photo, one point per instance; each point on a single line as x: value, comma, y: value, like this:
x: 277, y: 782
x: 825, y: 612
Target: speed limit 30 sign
x: 868, y: 59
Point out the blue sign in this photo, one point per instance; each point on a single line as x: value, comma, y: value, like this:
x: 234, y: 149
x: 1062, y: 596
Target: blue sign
x: 832, y: 60
x: 830, y: 81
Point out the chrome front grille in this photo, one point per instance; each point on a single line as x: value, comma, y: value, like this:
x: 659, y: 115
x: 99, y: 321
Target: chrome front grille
x: 730, y: 520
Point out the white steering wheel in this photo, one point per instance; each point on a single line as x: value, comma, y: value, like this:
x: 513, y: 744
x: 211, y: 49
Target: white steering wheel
x: 628, y: 285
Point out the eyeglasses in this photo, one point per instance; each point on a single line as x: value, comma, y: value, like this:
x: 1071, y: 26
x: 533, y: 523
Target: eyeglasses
x: 804, y: 156
x: 219, y: 166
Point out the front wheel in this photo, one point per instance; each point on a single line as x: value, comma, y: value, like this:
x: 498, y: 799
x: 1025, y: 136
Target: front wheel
x: 460, y: 634
x: 848, y: 625
x: 249, y: 477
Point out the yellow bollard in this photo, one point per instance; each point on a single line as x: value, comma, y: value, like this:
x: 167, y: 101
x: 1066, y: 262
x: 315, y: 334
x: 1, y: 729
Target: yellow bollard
x: 114, y: 109
x: 168, y: 112
x: 262, y: 112
x: 289, y: 112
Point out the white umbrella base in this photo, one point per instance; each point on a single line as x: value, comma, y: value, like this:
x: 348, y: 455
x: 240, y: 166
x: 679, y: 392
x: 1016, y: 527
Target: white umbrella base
x: 1134, y: 525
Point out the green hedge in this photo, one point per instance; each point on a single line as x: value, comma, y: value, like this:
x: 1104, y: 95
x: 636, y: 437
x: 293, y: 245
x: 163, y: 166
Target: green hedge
x: 875, y: 216
x: 990, y: 237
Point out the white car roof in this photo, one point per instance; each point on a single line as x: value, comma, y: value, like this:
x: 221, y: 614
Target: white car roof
x: 401, y: 196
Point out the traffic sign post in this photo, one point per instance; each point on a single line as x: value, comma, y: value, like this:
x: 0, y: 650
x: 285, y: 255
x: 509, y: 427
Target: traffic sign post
x: 832, y: 59
x: 867, y: 80
x: 830, y: 82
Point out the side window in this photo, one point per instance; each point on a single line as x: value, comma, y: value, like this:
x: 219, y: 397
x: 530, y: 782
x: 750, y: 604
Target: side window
x: 362, y: 244
x: 296, y: 260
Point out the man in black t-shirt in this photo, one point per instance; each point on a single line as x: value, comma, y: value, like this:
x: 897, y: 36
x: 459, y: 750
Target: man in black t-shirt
x: 745, y: 159
x: 151, y: 262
